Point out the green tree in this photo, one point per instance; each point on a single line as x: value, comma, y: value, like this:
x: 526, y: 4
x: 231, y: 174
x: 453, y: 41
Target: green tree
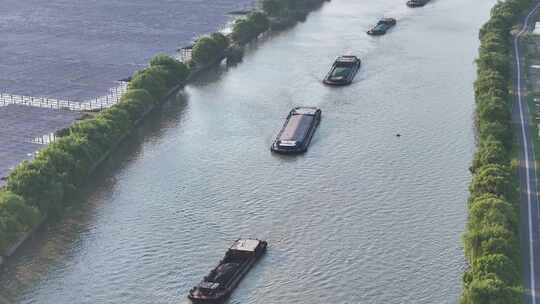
x: 489, y: 240
x: 10, y: 229
x: 490, y: 151
x: 490, y: 210
x: 491, y: 179
x: 491, y: 42
x: 498, y: 264
x: 76, y: 146
x: 494, y: 60
x: 38, y: 184
x: 119, y: 120
x: 138, y: 94
x: 151, y: 79
x: 248, y: 28
x: 501, y: 131
x: 206, y: 51
x: 491, y: 83
x: 492, y: 109
x: 176, y: 70
x: 12, y: 205
x: 221, y: 41
x: 490, y: 290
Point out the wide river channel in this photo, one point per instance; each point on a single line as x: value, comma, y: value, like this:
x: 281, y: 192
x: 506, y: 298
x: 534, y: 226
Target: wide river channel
x: 362, y: 217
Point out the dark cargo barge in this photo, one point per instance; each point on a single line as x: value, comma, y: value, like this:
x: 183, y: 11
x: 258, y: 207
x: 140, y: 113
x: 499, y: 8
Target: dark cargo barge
x: 382, y: 26
x: 218, y: 285
x: 343, y: 71
x: 417, y: 3
x: 297, y: 131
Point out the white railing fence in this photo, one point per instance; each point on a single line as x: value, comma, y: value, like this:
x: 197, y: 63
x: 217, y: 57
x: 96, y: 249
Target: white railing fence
x: 98, y: 103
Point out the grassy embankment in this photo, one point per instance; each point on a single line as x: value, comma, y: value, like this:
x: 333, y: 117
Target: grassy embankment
x: 42, y: 187
x: 491, y: 238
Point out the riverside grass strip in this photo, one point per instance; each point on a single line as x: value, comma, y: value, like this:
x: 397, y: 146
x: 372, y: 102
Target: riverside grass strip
x: 491, y: 238
x: 39, y: 188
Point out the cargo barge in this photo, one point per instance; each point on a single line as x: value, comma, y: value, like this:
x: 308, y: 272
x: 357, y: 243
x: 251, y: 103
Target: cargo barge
x: 218, y: 285
x: 343, y: 71
x: 382, y: 26
x: 297, y: 131
x: 417, y: 3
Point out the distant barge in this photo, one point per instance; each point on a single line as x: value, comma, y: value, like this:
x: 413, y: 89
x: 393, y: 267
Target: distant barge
x: 417, y: 3
x: 343, y: 71
x: 382, y: 26
x: 218, y: 285
x: 296, y: 134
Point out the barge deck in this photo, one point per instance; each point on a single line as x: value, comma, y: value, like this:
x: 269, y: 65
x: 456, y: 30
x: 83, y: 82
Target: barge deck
x: 218, y: 285
x: 297, y: 131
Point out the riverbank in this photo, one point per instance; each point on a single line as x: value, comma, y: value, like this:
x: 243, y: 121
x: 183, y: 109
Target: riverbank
x: 491, y: 239
x: 36, y: 189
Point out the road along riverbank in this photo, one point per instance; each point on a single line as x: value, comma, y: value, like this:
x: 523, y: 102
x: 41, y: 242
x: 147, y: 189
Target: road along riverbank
x: 493, y: 232
x: 525, y: 116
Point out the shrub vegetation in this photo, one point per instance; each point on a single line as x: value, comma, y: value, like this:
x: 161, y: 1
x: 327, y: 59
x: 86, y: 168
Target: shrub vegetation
x: 209, y: 49
x: 250, y: 27
x: 491, y: 239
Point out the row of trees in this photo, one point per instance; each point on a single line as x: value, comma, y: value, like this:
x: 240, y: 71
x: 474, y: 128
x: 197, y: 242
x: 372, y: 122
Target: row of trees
x: 209, y: 49
x: 491, y: 239
x: 43, y: 185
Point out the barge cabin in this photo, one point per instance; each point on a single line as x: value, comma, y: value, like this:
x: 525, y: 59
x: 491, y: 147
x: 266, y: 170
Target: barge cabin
x: 382, y: 26
x: 417, y: 3
x: 343, y: 70
x: 296, y: 134
x: 218, y: 285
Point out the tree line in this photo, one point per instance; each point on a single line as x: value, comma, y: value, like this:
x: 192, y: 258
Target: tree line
x: 491, y: 238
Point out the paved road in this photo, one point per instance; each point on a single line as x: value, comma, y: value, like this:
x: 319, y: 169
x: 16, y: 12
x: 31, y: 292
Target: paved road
x: 529, y: 198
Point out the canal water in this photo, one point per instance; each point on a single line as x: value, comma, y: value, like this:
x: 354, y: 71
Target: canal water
x: 362, y: 217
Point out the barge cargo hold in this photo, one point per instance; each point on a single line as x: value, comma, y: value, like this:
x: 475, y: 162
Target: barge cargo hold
x: 343, y: 71
x: 382, y: 26
x: 297, y: 131
x: 218, y: 285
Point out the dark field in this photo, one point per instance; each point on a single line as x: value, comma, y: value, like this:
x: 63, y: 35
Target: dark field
x: 77, y: 49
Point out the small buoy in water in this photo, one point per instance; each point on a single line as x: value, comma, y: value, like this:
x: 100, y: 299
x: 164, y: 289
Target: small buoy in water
x: 398, y: 135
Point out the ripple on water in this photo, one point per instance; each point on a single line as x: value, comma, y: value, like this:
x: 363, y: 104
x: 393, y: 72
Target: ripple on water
x: 363, y: 217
